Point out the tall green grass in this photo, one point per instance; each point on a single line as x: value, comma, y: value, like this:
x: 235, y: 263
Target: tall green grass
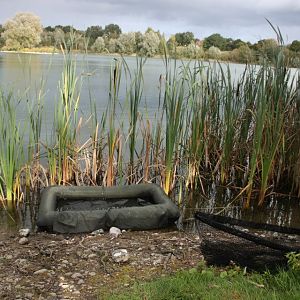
x: 209, y: 128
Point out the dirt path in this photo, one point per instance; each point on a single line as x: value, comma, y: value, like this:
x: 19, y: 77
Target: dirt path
x: 53, y: 266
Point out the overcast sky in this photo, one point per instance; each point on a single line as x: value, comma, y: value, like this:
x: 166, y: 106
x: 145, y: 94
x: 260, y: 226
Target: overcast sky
x: 243, y: 19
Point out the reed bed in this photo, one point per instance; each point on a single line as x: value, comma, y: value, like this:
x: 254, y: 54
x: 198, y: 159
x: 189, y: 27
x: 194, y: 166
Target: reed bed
x: 209, y: 128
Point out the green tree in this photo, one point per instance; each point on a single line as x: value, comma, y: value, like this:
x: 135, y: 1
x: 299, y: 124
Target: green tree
x: 47, y: 38
x: 184, y: 38
x: 2, y: 41
x: 194, y: 51
x: 93, y: 32
x: 112, y: 45
x: 99, y: 45
x: 171, y: 44
x: 244, y: 54
x: 59, y: 37
x: 112, y: 31
x: 215, y: 40
x: 150, y: 44
x: 295, y: 46
x: 214, y: 52
x: 266, y: 49
x: 22, y: 31
x: 126, y: 43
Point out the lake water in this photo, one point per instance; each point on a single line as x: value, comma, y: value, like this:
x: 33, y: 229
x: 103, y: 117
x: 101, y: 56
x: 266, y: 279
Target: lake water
x: 22, y: 74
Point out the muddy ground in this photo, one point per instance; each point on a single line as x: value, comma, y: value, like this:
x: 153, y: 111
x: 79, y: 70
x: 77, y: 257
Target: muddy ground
x: 54, y: 266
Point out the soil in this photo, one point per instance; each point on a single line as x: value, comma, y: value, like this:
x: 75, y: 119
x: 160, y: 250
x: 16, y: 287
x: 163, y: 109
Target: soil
x: 54, y: 266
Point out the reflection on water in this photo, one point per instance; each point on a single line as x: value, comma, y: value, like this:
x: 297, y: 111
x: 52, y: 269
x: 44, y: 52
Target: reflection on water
x: 277, y: 209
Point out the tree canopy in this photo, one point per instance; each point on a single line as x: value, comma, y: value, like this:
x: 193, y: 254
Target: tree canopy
x: 22, y: 31
x: 184, y: 38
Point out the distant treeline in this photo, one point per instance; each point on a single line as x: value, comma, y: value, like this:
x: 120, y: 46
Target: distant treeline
x: 25, y: 31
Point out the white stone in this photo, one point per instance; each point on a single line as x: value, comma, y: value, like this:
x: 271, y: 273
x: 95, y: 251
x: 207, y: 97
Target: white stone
x: 292, y: 238
x: 24, y: 232
x: 41, y: 271
x: 120, y: 255
x: 76, y: 275
x: 23, y: 241
x: 114, y: 231
x: 98, y: 231
x: 93, y: 255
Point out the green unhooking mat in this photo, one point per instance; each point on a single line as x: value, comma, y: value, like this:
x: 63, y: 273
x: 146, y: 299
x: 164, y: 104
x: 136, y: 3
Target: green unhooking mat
x: 85, y: 209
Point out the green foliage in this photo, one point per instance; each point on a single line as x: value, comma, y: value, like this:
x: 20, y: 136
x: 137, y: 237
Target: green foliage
x: 213, y: 283
x: 294, y: 261
x: 126, y: 43
x: 11, y: 148
x: 22, y: 31
x: 150, y: 44
x: 295, y: 46
x: 266, y: 49
x: 184, y: 38
x: 214, y: 40
x: 213, y: 52
x: 93, y: 32
x: 112, y: 31
x: 99, y: 45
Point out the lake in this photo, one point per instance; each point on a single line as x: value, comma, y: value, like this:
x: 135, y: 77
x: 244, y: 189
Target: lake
x: 24, y: 73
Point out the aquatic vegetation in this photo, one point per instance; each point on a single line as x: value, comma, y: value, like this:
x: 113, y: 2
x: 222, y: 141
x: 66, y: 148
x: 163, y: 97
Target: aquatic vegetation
x: 209, y: 127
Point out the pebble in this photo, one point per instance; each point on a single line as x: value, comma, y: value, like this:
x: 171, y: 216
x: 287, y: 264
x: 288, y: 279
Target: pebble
x: 93, y: 255
x: 292, y: 238
x: 28, y: 295
x: 41, y: 271
x: 76, y: 292
x: 115, y: 231
x: 98, y: 231
x: 92, y: 274
x: 24, y: 232
x: 80, y: 281
x: 76, y: 275
x: 23, y: 241
x: 120, y: 255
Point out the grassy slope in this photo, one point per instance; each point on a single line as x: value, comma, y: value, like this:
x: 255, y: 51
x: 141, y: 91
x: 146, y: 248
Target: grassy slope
x: 211, y: 283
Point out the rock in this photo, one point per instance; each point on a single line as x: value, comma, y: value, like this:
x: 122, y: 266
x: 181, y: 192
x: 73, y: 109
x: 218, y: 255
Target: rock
x: 28, y: 295
x: 76, y: 293
x: 23, y: 241
x: 24, y: 232
x: 93, y: 255
x: 76, y: 275
x: 114, y: 231
x: 41, y: 271
x: 97, y: 232
x: 80, y: 281
x: 120, y: 255
x: 292, y: 237
x: 92, y: 274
